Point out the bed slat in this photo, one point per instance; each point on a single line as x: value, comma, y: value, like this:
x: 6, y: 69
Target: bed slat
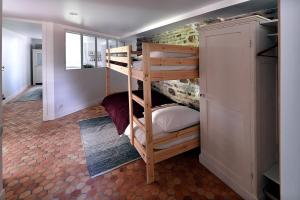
x: 177, y: 134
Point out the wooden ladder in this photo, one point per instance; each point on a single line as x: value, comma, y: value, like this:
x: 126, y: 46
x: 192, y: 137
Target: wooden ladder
x: 146, y: 103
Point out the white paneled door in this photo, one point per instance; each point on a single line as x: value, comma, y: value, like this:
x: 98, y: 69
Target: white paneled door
x: 37, y: 60
x: 226, y: 100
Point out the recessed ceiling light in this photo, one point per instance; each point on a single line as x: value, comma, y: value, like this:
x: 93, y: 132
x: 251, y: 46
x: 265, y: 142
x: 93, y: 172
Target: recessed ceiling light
x: 73, y: 13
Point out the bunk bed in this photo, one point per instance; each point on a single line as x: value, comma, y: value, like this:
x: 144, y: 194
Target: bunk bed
x: 156, y: 66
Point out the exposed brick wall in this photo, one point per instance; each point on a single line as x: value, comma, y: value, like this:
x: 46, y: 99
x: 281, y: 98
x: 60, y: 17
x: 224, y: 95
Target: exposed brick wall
x: 181, y: 91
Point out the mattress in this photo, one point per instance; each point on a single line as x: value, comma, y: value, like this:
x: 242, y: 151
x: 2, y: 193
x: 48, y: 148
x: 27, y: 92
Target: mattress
x: 157, y: 133
x: 138, y: 65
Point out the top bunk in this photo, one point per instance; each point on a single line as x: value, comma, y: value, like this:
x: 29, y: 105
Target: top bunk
x: 158, y: 62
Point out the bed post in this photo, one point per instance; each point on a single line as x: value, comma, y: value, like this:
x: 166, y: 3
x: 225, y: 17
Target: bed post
x: 129, y: 49
x: 107, y: 73
x: 148, y: 113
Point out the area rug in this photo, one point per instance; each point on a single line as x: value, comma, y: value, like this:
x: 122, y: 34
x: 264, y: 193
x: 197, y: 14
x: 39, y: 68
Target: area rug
x: 104, y: 148
x: 33, y: 94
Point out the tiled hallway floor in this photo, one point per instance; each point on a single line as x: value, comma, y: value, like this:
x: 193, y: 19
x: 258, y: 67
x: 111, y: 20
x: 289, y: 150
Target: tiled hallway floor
x: 45, y: 160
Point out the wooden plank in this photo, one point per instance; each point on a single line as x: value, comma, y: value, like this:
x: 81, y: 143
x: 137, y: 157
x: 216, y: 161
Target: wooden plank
x: 175, y: 150
x: 139, y: 123
x: 138, y: 100
x: 107, y: 75
x: 137, y: 74
x: 120, y: 69
x: 119, y: 59
x: 177, y: 134
x: 140, y: 148
x: 148, y: 114
x: 128, y: 60
x: 136, y: 52
x: 123, y: 49
x: 174, y: 61
x: 174, y: 75
x: 173, y: 48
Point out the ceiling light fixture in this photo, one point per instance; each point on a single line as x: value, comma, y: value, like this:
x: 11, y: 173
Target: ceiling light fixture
x: 73, y: 13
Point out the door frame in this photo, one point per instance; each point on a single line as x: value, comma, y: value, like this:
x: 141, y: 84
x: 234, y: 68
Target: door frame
x: 47, y: 66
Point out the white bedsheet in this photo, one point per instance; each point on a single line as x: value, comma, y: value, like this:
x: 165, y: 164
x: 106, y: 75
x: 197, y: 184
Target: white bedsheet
x: 157, y: 133
x: 138, y: 65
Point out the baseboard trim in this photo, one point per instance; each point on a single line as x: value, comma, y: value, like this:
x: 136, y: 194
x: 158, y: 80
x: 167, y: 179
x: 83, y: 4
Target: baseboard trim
x: 228, y: 180
x: 2, y: 195
x: 12, y: 97
x: 77, y: 108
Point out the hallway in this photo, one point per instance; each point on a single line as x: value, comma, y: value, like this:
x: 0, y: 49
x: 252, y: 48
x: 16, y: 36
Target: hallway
x: 45, y: 160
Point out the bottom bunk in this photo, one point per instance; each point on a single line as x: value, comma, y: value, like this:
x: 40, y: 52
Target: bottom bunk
x: 175, y: 128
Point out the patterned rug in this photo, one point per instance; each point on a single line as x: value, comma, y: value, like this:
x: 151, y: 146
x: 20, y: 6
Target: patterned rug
x: 33, y: 94
x: 104, y: 149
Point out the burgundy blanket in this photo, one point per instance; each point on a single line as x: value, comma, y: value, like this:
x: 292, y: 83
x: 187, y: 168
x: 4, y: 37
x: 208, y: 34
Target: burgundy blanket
x: 117, y: 107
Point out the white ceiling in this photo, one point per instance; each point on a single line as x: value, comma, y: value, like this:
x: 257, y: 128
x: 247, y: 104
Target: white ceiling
x: 118, y: 18
x: 31, y: 30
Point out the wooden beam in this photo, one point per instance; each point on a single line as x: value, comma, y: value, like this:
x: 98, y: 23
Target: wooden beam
x: 137, y: 74
x: 148, y: 114
x: 175, y: 150
x: 107, y: 75
x: 123, y: 49
x: 118, y: 68
x: 128, y: 61
x: 173, y: 48
x: 140, y: 148
x: 118, y: 59
x: 174, y: 61
x: 174, y: 75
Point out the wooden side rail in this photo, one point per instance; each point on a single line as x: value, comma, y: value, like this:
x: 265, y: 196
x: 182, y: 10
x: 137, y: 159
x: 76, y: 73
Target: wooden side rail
x: 175, y: 150
x: 174, y: 61
x: 173, y: 48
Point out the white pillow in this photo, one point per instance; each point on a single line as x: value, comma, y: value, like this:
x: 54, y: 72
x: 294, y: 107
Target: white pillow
x: 175, y: 118
x: 159, y: 54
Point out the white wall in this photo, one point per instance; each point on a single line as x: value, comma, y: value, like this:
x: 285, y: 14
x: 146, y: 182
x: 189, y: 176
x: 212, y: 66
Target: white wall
x: 78, y: 89
x: 16, y: 59
x: 290, y: 96
x: 2, y: 194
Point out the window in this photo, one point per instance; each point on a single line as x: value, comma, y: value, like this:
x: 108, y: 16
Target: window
x: 101, y: 48
x: 81, y: 50
x: 89, y: 52
x: 112, y: 43
x: 73, y: 51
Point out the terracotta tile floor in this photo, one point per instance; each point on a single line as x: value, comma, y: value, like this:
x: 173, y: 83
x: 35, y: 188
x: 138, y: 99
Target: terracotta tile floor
x: 45, y: 160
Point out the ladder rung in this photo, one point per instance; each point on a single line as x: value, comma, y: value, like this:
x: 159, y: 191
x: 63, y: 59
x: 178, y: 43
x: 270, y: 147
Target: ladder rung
x: 139, y: 123
x: 138, y: 100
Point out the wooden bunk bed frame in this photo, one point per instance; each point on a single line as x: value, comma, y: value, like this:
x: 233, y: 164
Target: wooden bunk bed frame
x: 122, y: 56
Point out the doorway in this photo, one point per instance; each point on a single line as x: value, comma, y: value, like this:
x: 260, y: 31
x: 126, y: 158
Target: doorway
x: 22, y: 61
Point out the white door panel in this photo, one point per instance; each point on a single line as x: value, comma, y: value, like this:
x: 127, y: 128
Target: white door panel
x: 37, y: 60
x: 226, y: 103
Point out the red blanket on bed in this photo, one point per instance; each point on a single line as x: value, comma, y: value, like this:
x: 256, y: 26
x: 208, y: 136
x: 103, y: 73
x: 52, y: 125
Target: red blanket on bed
x: 116, y: 106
